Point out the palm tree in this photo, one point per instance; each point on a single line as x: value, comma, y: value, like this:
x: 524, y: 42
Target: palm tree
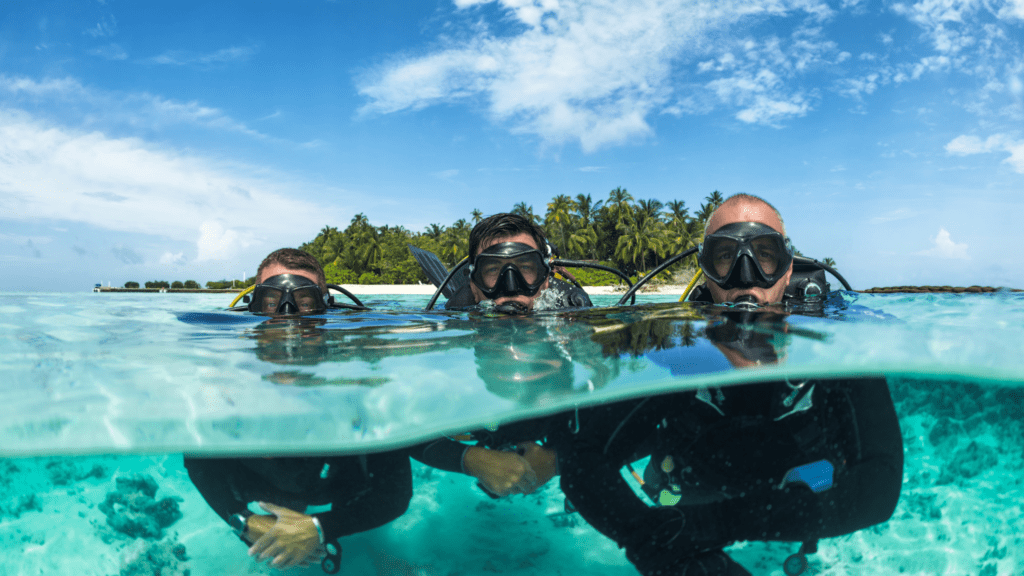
x: 830, y: 263
x: 678, y: 209
x: 455, y: 243
x: 619, y: 201
x: 652, y: 208
x: 434, y: 231
x: 586, y: 209
x: 639, y: 235
x: 526, y: 211
x: 477, y: 215
x: 558, y: 217
x: 704, y: 213
x: 582, y: 242
x: 715, y: 199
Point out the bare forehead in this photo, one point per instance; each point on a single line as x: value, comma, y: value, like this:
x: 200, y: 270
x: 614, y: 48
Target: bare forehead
x: 522, y: 238
x: 745, y: 211
x: 277, y: 269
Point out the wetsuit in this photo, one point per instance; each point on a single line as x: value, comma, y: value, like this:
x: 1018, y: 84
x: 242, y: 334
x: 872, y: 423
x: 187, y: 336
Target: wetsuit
x: 363, y: 492
x: 724, y: 453
x: 447, y: 454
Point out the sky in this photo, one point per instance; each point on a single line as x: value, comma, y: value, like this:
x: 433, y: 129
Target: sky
x: 186, y: 140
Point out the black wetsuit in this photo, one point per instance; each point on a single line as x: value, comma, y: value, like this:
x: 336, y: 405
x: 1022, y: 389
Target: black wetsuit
x: 447, y: 454
x: 364, y: 491
x: 729, y: 450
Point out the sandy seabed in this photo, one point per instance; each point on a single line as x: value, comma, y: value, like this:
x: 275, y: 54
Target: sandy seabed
x: 960, y: 513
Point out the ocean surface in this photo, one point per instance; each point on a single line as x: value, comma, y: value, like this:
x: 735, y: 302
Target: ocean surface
x: 98, y: 388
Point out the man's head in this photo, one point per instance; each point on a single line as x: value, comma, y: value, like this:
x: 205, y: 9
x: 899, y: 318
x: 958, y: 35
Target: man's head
x: 289, y: 281
x: 510, y: 260
x: 751, y: 253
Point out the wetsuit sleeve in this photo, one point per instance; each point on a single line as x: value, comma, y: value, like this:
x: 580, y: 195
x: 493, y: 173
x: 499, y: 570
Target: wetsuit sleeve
x: 868, y: 491
x: 590, y: 460
x: 443, y: 454
x: 368, y: 498
x: 211, y: 477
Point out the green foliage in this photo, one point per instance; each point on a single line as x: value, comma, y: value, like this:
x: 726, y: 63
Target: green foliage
x: 369, y: 278
x: 157, y: 284
x: 131, y: 284
x: 177, y: 284
x: 191, y: 284
x: 594, y: 277
x: 336, y: 275
x: 631, y: 234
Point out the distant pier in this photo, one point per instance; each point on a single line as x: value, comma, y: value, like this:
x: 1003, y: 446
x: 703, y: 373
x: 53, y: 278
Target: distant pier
x: 170, y: 290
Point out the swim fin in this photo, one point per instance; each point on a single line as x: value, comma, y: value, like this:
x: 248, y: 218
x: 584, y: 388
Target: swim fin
x: 436, y: 271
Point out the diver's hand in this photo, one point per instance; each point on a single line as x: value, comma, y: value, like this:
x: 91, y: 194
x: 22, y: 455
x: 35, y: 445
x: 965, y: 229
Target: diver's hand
x: 543, y: 461
x: 501, y: 473
x: 292, y: 540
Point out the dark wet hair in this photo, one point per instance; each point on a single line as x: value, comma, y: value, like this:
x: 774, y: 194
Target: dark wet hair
x: 294, y: 260
x: 502, y: 225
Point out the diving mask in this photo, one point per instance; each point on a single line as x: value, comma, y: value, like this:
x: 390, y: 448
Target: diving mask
x: 288, y: 294
x: 509, y: 269
x: 744, y: 255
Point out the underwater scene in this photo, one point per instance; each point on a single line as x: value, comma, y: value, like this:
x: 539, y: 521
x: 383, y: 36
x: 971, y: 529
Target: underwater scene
x: 866, y: 434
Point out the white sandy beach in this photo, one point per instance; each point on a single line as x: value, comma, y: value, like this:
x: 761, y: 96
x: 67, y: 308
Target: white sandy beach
x: 428, y: 289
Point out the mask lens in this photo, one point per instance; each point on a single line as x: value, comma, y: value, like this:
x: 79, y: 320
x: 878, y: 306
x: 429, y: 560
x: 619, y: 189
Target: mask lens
x: 307, y: 300
x: 768, y: 253
x: 529, y: 266
x: 723, y: 253
x: 488, y: 268
x: 269, y: 300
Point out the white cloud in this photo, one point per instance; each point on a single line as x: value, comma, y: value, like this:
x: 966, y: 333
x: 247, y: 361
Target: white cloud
x: 944, y: 247
x: 446, y: 174
x: 104, y: 28
x: 593, y: 71
x: 222, y: 56
x: 53, y: 173
x: 110, y: 52
x: 172, y: 259
x: 967, y: 145
x: 894, y: 215
x: 104, y: 109
x: 217, y: 242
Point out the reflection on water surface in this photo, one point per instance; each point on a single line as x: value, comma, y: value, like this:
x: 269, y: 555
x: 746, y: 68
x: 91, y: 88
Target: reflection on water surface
x: 654, y: 386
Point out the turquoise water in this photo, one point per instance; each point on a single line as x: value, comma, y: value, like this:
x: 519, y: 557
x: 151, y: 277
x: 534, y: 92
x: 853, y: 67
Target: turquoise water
x: 100, y: 386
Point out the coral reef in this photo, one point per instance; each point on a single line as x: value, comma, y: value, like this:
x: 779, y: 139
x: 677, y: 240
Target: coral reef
x: 132, y: 509
x: 63, y: 472
x: 164, y: 558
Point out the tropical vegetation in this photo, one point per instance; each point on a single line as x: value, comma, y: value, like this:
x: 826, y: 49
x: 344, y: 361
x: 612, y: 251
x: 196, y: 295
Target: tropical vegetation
x: 633, y: 235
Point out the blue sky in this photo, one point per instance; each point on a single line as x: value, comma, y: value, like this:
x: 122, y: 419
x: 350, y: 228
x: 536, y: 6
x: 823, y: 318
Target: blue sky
x: 185, y: 140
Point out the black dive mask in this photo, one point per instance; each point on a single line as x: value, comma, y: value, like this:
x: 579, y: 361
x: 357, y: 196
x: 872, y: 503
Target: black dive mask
x: 745, y: 255
x: 288, y: 294
x: 509, y: 269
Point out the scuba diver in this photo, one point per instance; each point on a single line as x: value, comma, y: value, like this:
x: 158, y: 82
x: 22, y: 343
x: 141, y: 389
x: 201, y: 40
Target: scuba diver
x: 511, y: 267
x: 510, y: 273
x: 775, y: 461
x: 292, y: 510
